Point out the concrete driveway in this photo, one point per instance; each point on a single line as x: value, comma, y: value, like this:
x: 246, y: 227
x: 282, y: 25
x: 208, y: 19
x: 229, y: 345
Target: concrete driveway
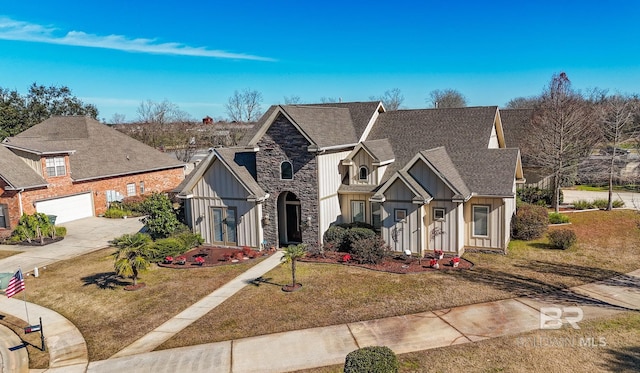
x: 83, y: 236
x: 631, y: 200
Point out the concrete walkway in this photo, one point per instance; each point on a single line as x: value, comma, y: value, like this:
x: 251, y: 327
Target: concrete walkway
x: 185, y: 318
x: 309, y: 348
x: 12, y: 361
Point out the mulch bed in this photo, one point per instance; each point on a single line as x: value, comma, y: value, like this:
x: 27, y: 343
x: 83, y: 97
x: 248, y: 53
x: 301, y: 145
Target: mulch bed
x: 213, y: 256
x: 395, y: 264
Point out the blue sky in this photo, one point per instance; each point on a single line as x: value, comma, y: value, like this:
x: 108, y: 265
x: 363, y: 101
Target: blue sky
x: 116, y: 54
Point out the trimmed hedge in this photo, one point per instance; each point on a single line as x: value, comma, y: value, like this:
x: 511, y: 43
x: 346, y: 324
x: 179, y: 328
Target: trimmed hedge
x: 529, y: 222
x: 375, y: 359
x: 342, y: 237
x: 371, y: 250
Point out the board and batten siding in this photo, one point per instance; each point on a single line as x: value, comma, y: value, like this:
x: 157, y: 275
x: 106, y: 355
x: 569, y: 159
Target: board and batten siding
x: 495, y: 224
x: 329, y: 180
x: 219, y: 188
x: 406, y: 234
x: 430, y: 181
x: 362, y: 158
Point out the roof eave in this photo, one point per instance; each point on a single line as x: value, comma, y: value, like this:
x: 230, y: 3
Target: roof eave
x: 130, y: 173
x: 38, y: 152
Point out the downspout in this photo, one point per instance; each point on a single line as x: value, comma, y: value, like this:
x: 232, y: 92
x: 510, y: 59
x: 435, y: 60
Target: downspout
x: 20, y: 200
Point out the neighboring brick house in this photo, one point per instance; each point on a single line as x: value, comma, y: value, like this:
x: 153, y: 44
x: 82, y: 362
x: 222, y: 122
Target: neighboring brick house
x: 409, y: 173
x: 73, y: 166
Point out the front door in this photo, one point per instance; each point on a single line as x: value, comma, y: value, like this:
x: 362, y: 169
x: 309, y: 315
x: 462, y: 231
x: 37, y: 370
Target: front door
x: 224, y: 226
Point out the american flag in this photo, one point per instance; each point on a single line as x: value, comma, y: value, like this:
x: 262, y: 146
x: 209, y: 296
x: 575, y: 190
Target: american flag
x: 16, y: 284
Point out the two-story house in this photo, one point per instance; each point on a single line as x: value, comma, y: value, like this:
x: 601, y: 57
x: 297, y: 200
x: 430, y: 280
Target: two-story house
x: 426, y: 179
x: 73, y: 166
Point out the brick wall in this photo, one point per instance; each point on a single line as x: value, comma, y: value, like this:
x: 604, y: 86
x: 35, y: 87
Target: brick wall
x: 156, y: 181
x: 283, y: 142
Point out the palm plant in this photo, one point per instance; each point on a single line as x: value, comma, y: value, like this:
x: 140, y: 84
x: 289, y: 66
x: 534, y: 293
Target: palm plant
x: 132, y: 255
x: 291, y: 255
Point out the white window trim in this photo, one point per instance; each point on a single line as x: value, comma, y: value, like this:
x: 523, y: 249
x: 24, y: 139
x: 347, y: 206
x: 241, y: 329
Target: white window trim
x: 4, y: 212
x: 436, y: 211
x: 399, y: 214
x: 55, y: 163
x: 291, y: 164
x: 364, y: 210
x: 473, y: 220
x: 131, y: 189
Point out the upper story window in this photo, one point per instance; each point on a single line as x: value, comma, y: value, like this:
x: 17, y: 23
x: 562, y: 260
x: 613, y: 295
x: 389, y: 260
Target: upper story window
x: 4, y: 216
x: 56, y: 166
x: 363, y: 173
x: 286, y: 170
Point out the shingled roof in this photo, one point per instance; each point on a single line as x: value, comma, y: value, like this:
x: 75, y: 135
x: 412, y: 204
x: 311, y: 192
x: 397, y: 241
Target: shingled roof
x: 326, y: 125
x: 16, y: 173
x: 96, y: 150
x: 463, y: 132
x: 515, y: 123
x: 237, y: 161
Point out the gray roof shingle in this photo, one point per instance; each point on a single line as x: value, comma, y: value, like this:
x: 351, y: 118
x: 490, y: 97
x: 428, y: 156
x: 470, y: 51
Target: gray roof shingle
x: 463, y: 132
x: 16, y: 173
x: 97, y: 150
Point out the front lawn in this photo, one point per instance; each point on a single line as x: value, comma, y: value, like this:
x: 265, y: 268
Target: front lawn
x: 7, y: 253
x: 335, y: 294
x: 111, y: 318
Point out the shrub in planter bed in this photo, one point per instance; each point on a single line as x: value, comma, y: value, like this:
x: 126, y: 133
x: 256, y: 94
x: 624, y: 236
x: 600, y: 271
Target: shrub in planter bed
x: 557, y: 218
x: 379, y: 359
x: 582, y: 204
x: 167, y: 247
x: 371, y: 250
x: 530, y: 222
x: 334, y: 235
x: 562, y: 238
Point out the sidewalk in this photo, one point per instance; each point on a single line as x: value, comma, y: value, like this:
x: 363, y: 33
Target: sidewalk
x: 310, y: 348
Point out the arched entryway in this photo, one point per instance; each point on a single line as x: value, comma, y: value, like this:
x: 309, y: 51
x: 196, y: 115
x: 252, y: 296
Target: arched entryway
x: 289, y: 218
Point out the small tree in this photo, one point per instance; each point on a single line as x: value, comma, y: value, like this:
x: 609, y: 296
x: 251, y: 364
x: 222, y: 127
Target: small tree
x: 291, y: 255
x: 132, y: 255
x: 530, y: 222
x: 162, y: 220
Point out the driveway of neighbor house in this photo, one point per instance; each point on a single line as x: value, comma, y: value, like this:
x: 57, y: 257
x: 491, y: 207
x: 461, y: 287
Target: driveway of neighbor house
x: 631, y: 200
x: 83, y: 236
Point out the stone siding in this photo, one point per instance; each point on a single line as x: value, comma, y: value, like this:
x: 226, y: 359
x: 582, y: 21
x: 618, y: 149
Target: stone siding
x: 283, y: 142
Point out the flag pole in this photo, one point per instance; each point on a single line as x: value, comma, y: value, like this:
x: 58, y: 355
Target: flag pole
x: 24, y: 298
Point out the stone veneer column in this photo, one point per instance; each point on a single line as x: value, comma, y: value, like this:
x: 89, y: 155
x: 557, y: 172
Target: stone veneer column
x: 283, y: 142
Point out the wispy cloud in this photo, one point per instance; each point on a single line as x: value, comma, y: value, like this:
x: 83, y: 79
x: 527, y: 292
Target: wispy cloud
x: 23, y: 31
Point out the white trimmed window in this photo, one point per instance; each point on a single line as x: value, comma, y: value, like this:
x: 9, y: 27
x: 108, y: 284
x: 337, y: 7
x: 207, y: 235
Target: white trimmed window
x: 481, y: 221
x: 357, y: 211
x: 142, y: 187
x: 55, y: 166
x: 131, y: 189
x: 399, y: 214
x: 438, y: 213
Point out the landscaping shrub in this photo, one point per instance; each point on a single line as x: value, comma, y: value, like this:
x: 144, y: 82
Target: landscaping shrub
x: 562, y: 238
x: 537, y: 196
x: 135, y: 204
x: 582, y: 204
x: 375, y: 359
x: 117, y: 213
x: 164, y: 247
x: 356, y: 224
x: 61, y: 231
x: 353, y: 235
x: 558, y: 218
x: 189, y: 240
x: 162, y: 220
x: 529, y: 222
x: 618, y: 204
x: 334, y: 235
x: 372, y: 250
x: 33, y: 227
x: 600, y: 203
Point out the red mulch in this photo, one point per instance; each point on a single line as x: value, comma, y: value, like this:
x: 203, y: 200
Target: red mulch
x: 395, y: 264
x: 213, y: 256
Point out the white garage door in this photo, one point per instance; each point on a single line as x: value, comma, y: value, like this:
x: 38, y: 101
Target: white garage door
x: 67, y: 208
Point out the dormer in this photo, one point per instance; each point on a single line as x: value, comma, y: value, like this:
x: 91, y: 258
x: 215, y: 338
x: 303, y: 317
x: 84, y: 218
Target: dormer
x: 368, y: 161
